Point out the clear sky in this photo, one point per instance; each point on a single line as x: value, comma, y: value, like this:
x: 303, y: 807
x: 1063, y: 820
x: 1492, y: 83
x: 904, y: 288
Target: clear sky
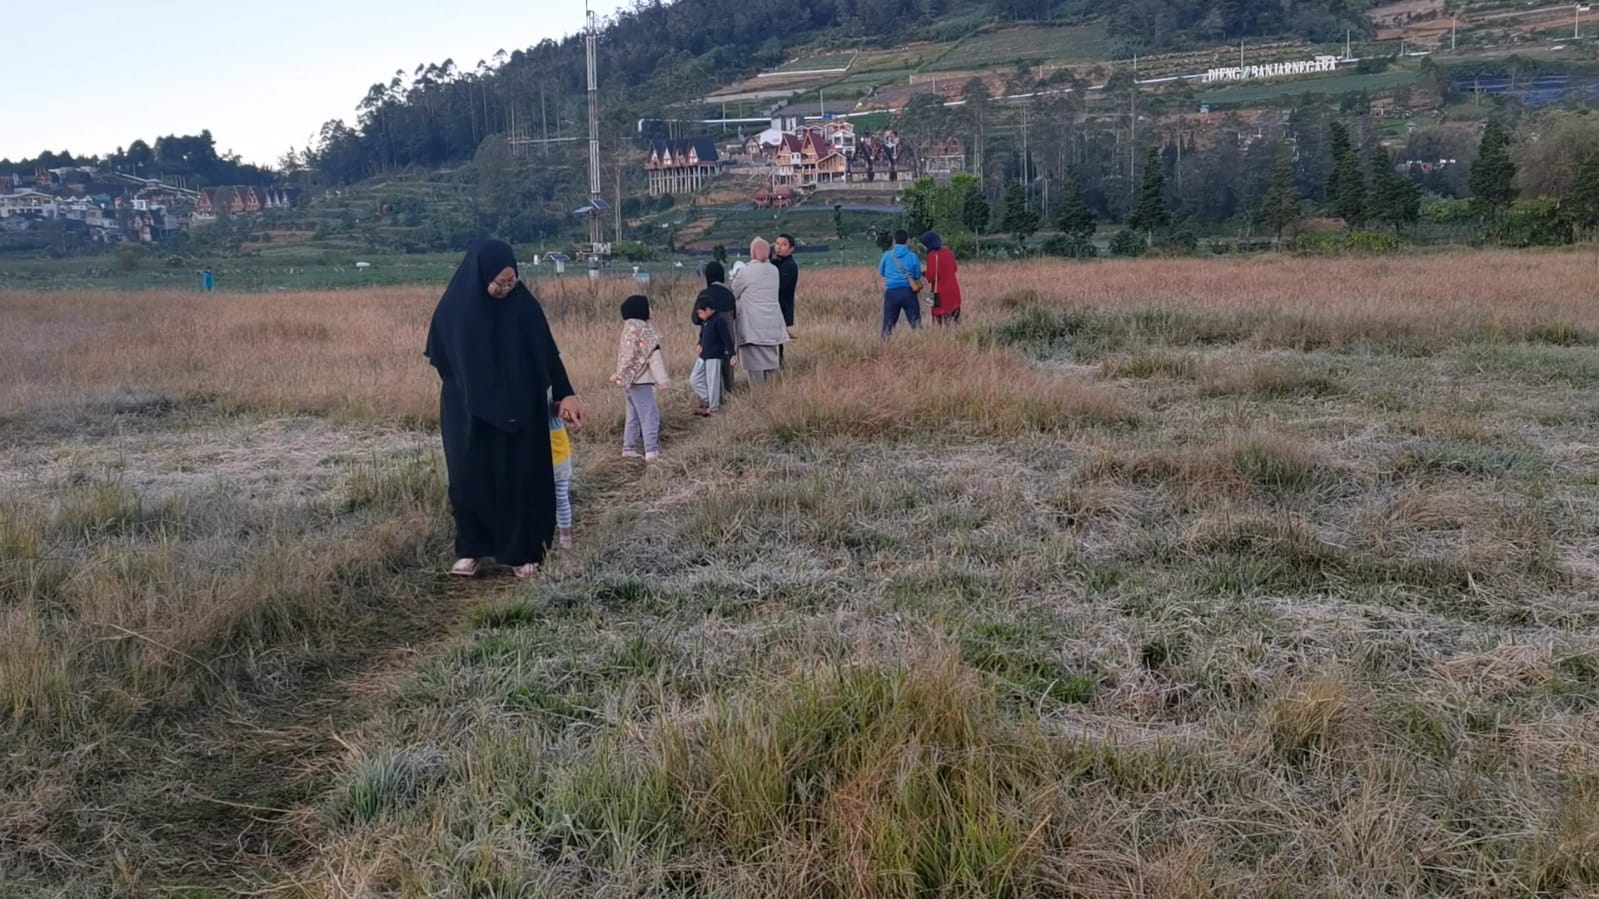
x: 262, y: 76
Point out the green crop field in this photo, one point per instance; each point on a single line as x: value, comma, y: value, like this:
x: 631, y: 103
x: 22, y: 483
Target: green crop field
x: 1265, y: 92
x: 869, y: 80
x: 906, y: 58
x: 1076, y: 43
x: 832, y: 61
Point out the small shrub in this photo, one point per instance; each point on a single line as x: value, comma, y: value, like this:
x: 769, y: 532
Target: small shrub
x: 1070, y: 247
x: 1539, y: 222
x: 1359, y: 243
x: 391, y: 779
x: 1559, y: 334
x: 129, y: 257
x: 1277, y: 464
x: 1129, y: 244
x: 1150, y: 364
x: 1371, y: 243
x: 1315, y: 719
x: 1456, y: 457
x: 1180, y: 243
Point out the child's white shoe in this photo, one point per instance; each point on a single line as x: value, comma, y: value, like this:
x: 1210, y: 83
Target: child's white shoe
x: 464, y: 568
x: 631, y: 454
x: 651, y: 457
x: 531, y: 569
x: 566, y: 538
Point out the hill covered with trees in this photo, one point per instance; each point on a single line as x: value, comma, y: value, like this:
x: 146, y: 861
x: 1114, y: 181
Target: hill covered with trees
x: 656, y: 54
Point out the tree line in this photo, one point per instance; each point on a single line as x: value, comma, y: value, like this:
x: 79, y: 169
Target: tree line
x: 192, y: 157
x: 1533, y: 185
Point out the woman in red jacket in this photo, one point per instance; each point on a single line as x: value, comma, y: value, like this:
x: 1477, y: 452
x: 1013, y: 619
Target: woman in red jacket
x: 940, y: 271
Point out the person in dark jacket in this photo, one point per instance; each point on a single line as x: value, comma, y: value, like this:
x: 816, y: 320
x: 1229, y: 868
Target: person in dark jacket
x: 498, y: 366
x: 787, y: 274
x: 716, y: 281
x: 714, y: 308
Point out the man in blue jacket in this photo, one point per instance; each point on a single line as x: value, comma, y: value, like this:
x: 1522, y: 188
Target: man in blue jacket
x: 898, y: 268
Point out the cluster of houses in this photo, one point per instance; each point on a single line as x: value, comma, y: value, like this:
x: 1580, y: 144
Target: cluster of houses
x: 114, y: 206
x: 791, y: 157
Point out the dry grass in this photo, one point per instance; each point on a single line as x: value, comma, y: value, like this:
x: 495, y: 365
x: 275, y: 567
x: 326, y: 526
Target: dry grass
x: 1174, y: 578
x: 356, y: 352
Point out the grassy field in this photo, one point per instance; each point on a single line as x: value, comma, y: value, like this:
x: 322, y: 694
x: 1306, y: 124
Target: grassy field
x: 285, y: 269
x: 1248, y: 94
x: 1270, y: 577
x: 811, y: 63
x: 1075, y: 43
x: 901, y: 59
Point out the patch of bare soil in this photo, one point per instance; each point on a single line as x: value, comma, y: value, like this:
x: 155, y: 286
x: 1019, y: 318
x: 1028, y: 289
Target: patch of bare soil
x: 1410, y: 20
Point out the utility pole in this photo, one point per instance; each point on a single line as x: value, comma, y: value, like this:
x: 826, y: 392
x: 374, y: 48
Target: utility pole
x: 1132, y: 130
x: 1027, y: 183
x: 1454, y: 29
x: 596, y: 201
x: 544, y: 117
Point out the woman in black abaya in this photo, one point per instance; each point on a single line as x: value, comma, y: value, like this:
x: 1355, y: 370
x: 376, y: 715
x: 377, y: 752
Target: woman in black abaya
x: 500, y: 369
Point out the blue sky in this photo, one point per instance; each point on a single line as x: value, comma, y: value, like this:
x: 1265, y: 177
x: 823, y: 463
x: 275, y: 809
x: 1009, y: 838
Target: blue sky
x: 262, y: 76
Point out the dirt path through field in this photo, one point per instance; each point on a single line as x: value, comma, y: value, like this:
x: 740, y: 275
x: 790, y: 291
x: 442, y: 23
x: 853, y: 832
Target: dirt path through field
x: 218, y: 788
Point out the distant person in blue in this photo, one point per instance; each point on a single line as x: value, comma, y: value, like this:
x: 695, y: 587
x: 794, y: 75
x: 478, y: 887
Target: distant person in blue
x: 208, y: 281
x: 901, y: 272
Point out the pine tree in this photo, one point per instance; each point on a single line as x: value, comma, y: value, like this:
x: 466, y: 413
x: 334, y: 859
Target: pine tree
x: 1151, y: 214
x: 1380, y: 196
x: 1394, y: 200
x: 1346, y: 186
x: 975, y: 212
x: 1583, y: 202
x: 918, y: 218
x: 1492, y: 178
x: 1280, y: 207
x: 1020, y: 218
x: 1077, y: 220
x: 1077, y: 226
x: 1337, y: 147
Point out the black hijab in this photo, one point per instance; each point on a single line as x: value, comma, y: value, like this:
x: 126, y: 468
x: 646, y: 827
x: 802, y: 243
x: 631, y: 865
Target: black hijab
x: 494, y: 349
x: 636, y: 306
x: 716, y: 296
x: 932, y: 241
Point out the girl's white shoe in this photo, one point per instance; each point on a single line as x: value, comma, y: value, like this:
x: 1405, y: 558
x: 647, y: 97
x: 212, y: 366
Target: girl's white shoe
x: 464, y: 568
x: 531, y: 569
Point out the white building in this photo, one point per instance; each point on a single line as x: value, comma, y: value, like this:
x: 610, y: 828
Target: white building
x: 28, y: 202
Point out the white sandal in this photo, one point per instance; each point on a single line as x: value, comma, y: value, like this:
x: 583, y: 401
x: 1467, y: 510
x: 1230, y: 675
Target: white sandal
x: 464, y: 568
x: 531, y: 569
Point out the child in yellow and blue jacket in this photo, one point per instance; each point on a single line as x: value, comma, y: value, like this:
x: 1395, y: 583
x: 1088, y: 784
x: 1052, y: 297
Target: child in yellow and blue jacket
x: 561, y: 455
